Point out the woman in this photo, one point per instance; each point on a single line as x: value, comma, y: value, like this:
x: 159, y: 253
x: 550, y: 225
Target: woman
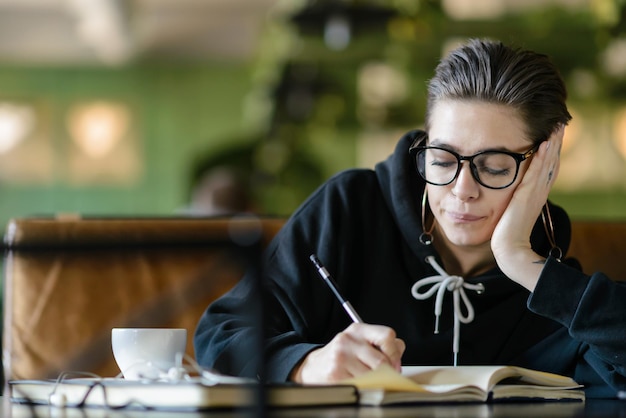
x: 472, y: 217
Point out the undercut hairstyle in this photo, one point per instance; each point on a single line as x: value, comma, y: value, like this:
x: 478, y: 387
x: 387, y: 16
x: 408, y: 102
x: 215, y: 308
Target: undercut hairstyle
x: 489, y: 71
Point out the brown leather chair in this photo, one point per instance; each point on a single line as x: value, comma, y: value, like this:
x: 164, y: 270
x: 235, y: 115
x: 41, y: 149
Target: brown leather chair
x: 69, y: 281
x: 600, y: 246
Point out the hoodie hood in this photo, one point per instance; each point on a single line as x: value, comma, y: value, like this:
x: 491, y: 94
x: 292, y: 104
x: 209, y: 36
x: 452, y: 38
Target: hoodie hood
x: 403, y: 188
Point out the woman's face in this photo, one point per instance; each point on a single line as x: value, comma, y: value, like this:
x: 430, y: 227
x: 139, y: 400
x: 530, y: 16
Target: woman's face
x: 466, y: 212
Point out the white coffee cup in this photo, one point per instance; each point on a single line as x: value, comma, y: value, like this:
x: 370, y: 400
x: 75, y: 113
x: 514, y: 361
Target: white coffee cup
x: 147, y: 353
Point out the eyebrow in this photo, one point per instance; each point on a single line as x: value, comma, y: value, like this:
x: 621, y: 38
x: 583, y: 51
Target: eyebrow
x: 440, y: 144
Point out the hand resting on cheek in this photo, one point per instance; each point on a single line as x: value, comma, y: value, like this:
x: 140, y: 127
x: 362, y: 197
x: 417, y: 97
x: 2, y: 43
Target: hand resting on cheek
x: 510, y: 242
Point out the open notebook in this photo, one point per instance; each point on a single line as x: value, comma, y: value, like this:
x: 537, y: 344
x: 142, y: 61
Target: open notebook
x: 462, y: 384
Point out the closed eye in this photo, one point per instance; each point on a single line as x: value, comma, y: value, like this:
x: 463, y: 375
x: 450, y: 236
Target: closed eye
x: 444, y: 164
x: 494, y: 171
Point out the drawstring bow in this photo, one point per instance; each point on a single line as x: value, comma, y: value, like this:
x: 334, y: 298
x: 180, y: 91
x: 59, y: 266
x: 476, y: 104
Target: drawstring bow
x: 455, y: 284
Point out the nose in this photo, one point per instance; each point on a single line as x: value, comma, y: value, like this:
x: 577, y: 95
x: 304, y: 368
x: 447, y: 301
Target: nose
x: 465, y: 186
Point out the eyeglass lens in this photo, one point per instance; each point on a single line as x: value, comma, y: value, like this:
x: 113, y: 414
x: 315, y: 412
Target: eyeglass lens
x: 492, y: 169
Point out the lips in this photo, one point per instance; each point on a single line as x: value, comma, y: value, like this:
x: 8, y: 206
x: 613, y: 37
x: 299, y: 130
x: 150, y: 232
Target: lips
x: 464, y: 217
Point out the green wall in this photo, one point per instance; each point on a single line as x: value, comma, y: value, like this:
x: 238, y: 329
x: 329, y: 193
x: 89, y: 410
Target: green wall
x: 182, y: 112
x: 589, y: 205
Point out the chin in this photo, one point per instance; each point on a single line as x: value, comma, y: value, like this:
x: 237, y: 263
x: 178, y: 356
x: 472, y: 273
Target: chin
x: 466, y: 237
x: 472, y: 242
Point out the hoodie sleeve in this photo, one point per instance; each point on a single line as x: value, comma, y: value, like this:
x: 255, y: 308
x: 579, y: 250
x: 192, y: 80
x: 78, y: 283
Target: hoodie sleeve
x: 593, y: 309
x: 300, y: 312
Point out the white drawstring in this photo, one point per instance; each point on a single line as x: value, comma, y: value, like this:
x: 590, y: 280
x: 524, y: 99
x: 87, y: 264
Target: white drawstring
x: 454, y: 284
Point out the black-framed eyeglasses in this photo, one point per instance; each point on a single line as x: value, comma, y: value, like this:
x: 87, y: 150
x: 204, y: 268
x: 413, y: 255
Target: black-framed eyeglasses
x: 491, y: 169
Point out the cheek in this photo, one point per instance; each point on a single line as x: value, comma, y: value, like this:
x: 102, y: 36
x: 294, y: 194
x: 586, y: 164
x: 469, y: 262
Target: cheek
x: 500, y: 202
x: 435, y: 194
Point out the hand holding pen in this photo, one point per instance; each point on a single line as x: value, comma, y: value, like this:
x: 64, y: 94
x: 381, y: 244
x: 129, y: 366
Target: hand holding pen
x: 356, y: 350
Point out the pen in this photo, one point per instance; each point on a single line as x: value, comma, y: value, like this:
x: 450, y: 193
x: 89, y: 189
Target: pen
x: 333, y: 286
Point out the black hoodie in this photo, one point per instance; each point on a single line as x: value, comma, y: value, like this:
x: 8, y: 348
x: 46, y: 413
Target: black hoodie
x: 364, y: 225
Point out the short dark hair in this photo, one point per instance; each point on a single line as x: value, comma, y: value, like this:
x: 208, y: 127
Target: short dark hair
x: 490, y: 71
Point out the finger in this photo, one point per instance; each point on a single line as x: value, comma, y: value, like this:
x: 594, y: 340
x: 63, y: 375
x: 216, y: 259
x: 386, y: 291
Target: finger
x: 401, y: 346
x: 342, y: 357
x: 553, y: 173
x: 552, y: 158
x: 383, y: 339
x: 393, y: 349
x: 352, y: 354
x: 369, y: 357
x: 372, y: 357
x: 542, y: 169
x: 558, y: 144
